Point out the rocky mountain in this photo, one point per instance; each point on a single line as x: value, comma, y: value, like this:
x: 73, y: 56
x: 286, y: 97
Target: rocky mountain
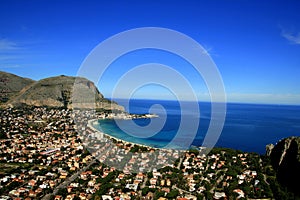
x: 62, y: 91
x: 11, y: 85
x: 285, y: 159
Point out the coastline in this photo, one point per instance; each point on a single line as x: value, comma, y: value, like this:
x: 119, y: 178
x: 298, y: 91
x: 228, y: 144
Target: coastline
x: 90, y: 125
x: 125, y: 142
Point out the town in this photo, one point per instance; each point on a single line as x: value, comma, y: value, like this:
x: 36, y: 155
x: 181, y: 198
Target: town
x: 54, y: 153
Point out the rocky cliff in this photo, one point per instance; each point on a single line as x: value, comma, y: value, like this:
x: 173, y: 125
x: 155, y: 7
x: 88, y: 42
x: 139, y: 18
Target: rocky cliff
x: 62, y: 91
x: 285, y: 159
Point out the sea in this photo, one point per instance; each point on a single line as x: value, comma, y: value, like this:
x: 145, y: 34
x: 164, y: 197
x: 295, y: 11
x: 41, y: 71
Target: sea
x: 247, y: 127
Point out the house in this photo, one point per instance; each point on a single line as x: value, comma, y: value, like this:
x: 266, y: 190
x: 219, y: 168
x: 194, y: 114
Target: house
x: 91, y: 183
x: 162, y: 198
x: 190, y: 197
x: 52, y: 183
x: 107, y: 197
x: 44, y: 185
x: 150, y: 195
x: 32, y: 183
x: 32, y: 193
x: 140, y: 176
x: 165, y: 189
x: 131, y: 187
x: 63, y: 175
x: 121, y: 176
x: 83, y: 196
x: 38, y: 191
x: 58, y: 197
x: 84, y: 175
x: 74, y: 184
x: 240, y: 193
x: 69, y: 189
x: 201, y: 189
x: 156, y: 174
x: 153, y: 181
x: 70, y: 197
x: 168, y: 182
x: 15, y: 193
x: 136, y: 182
x: 219, y: 195
x: 21, y: 190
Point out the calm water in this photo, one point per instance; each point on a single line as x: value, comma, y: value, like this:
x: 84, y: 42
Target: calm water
x: 248, y: 127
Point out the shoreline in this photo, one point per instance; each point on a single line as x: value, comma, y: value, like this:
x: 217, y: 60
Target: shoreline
x: 90, y: 125
x: 125, y: 142
x: 107, y: 136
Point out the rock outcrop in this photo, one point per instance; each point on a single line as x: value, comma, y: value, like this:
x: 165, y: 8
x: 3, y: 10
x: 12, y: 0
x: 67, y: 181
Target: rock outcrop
x: 285, y: 159
x: 269, y: 149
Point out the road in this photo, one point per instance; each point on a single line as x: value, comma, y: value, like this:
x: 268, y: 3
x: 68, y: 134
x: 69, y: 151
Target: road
x: 73, y: 177
x: 68, y: 180
x: 181, y: 190
x: 180, y: 161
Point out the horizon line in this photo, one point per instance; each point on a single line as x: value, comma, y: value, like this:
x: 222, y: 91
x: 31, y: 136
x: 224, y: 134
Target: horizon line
x: 205, y: 101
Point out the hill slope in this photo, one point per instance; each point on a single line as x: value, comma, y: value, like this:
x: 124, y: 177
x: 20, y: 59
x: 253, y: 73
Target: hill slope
x: 59, y: 91
x: 11, y: 85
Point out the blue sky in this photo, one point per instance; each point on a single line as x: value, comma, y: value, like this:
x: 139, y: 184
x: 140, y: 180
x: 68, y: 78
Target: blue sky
x: 255, y: 44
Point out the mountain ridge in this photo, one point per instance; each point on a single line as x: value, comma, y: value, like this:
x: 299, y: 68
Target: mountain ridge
x: 58, y: 91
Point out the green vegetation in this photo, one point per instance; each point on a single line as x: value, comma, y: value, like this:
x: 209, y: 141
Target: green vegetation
x: 10, y: 168
x: 137, y: 148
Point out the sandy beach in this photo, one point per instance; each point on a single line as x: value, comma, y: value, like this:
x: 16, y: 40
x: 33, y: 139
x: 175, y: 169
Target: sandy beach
x: 93, y: 121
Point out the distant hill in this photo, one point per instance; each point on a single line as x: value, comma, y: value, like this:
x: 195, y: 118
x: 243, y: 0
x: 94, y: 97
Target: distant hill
x: 60, y: 91
x: 285, y: 159
x: 11, y: 85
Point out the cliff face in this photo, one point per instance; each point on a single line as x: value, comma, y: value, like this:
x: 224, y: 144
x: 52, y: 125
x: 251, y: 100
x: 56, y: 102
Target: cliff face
x: 11, y: 85
x: 61, y: 91
x: 285, y: 159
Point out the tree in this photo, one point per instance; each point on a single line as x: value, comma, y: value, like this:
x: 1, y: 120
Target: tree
x: 208, y: 195
x: 3, y: 136
x: 145, y: 191
x: 194, y: 151
x: 200, y: 197
x: 76, y: 198
x: 97, y: 197
x: 173, y: 194
x: 159, y: 194
x: 196, y: 177
x: 62, y: 192
x: 231, y: 172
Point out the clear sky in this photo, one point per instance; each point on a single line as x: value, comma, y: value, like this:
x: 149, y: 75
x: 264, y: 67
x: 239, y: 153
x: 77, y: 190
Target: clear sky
x: 255, y: 44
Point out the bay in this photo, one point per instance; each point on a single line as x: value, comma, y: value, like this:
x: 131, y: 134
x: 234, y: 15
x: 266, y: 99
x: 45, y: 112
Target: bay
x: 248, y: 127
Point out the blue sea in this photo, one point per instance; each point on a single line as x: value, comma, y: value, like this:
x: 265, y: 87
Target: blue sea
x: 247, y: 127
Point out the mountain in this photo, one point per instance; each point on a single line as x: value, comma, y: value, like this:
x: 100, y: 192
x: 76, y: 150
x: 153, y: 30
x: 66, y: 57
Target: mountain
x: 285, y: 159
x: 11, y: 85
x: 60, y: 91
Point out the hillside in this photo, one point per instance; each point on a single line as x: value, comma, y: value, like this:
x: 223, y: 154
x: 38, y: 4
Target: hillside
x: 59, y: 91
x: 11, y: 85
